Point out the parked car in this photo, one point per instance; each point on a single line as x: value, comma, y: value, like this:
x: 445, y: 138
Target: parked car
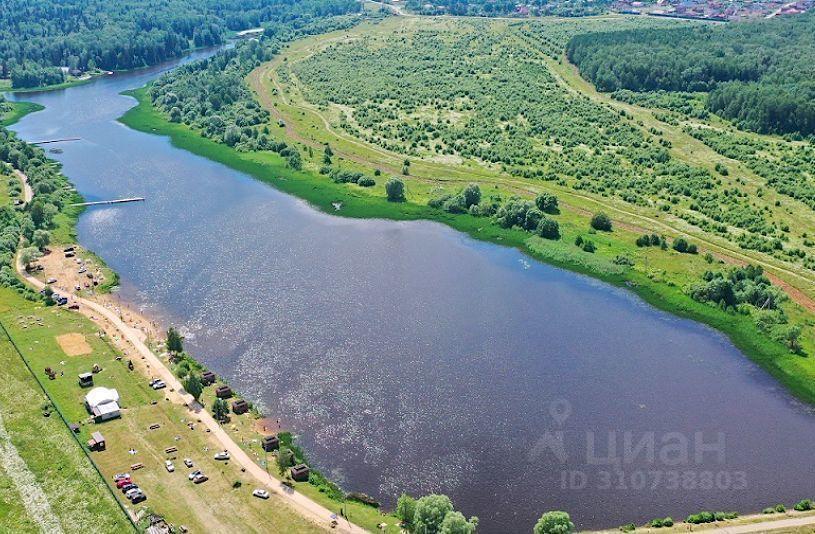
x: 261, y: 494
x: 133, y: 491
x: 169, y: 466
x: 138, y: 498
x: 200, y: 478
x: 194, y: 474
x: 128, y: 487
x: 157, y: 384
x: 123, y: 482
x: 188, y: 462
x: 223, y: 455
x: 51, y: 281
x: 120, y: 476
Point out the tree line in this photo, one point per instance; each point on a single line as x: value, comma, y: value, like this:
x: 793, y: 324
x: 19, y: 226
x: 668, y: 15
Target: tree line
x: 759, y: 74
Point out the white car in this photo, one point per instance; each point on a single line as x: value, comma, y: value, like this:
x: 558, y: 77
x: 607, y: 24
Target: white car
x: 158, y: 384
x: 261, y: 494
x: 169, y: 466
x: 51, y: 281
x: 187, y: 462
x: 194, y: 474
x: 223, y: 455
x: 132, y: 491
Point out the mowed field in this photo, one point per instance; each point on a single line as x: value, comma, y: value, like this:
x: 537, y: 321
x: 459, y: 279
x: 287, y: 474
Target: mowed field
x: 76, y: 495
x: 444, y: 102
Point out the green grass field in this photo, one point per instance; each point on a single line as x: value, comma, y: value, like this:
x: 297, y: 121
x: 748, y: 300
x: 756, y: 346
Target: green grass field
x: 78, y: 497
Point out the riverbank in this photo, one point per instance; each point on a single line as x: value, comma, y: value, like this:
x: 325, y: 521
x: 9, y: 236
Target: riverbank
x: 794, y: 372
x: 18, y: 111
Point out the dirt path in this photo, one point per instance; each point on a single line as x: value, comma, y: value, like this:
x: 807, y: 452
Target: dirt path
x: 302, y: 504
x: 28, y: 193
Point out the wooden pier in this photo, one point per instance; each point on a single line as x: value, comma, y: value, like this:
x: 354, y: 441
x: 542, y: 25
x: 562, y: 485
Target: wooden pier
x: 104, y: 202
x: 49, y: 141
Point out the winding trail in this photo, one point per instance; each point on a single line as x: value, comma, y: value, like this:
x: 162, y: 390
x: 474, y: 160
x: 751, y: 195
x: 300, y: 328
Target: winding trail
x: 305, y: 506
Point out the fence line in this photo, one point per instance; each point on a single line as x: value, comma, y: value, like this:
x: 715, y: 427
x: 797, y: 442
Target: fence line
x: 67, y: 425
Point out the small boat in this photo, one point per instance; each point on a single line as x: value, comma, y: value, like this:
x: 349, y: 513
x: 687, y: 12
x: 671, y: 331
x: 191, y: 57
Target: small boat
x: 55, y: 151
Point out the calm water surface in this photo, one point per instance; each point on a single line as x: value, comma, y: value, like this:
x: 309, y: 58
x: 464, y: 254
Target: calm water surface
x: 411, y: 358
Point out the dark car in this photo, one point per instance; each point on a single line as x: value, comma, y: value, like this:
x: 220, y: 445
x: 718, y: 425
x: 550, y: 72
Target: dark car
x: 128, y: 487
x: 139, y: 497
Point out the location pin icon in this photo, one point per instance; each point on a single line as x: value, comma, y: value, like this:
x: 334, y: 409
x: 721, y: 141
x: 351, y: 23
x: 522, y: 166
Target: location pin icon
x: 560, y: 410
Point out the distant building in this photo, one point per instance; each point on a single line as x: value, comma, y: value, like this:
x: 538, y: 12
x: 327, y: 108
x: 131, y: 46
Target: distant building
x: 103, y: 404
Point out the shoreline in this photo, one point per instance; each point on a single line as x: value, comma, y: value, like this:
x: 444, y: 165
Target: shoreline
x: 738, y: 526
x: 320, y: 193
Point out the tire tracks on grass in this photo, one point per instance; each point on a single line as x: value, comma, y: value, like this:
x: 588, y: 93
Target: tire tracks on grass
x: 33, y: 497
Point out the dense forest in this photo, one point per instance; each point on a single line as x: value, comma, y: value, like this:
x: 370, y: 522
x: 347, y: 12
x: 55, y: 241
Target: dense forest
x: 41, y: 41
x: 503, y: 8
x: 761, y: 74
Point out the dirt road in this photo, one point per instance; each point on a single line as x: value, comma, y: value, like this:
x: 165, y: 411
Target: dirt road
x: 302, y: 504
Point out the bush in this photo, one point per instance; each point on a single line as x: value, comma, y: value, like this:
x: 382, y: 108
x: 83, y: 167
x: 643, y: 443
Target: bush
x: 554, y: 523
x: 804, y: 505
x: 366, y: 182
x: 588, y: 246
x: 547, y: 203
x: 602, y: 222
x: 548, y: 228
x: 780, y: 508
x: 395, y: 189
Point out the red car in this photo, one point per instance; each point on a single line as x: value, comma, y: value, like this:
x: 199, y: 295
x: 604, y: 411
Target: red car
x: 122, y: 482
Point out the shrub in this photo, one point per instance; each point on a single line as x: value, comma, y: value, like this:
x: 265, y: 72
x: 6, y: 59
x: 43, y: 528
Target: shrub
x: 602, y: 222
x: 366, y: 181
x: 555, y: 522
x: 803, y: 505
x: 780, y: 508
x: 395, y: 189
x: 588, y: 246
x: 548, y: 228
x: 472, y: 195
x: 547, y: 203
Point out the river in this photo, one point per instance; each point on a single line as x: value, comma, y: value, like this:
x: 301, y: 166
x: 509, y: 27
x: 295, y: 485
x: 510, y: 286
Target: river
x: 409, y: 357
